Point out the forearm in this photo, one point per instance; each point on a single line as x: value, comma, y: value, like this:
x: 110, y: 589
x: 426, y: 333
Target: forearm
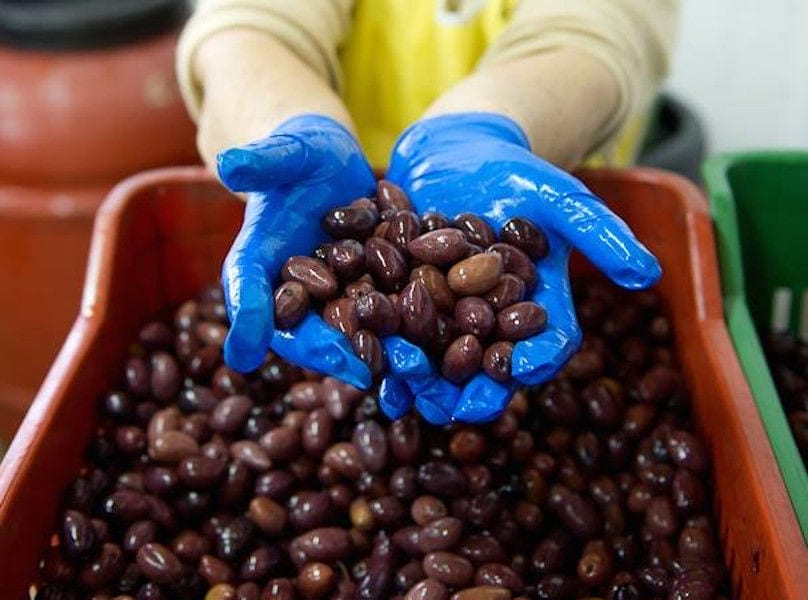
x: 562, y: 99
x: 251, y: 84
x: 572, y: 72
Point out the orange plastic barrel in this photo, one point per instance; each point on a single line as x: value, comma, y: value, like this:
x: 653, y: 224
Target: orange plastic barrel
x: 87, y: 97
x: 162, y: 235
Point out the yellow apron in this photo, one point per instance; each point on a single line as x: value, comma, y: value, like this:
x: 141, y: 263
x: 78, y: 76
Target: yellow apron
x: 402, y: 54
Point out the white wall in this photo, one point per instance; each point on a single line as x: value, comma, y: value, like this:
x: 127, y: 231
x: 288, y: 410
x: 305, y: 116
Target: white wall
x: 743, y: 65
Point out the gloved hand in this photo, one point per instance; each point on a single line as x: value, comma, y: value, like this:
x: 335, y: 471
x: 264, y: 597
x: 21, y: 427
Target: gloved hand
x: 481, y: 163
x: 309, y: 165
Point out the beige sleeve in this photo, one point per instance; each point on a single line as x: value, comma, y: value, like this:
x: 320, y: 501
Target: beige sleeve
x: 312, y: 29
x: 633, y: 38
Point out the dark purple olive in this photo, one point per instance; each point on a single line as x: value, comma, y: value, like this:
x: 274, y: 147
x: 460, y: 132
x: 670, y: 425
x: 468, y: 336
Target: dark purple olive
x: 349, y: 222
x: 525, y: 236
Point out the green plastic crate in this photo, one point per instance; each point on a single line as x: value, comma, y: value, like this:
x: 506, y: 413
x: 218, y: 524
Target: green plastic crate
x: 759, y: 202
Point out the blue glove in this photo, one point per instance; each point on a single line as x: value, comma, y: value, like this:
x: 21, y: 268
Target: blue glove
x: 481, y: 163
x: 414, y: 381
x: 309, y: 165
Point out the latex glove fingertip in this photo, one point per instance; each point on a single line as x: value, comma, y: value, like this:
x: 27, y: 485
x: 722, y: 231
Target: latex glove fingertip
x: 244, y: 355
x: 540, y: 358
x: 435, y: 398
x: 405, y: 359
x: 315, y: 345
x: 607, y: 241
x: 433, y: 413
x: 395, y: 398
x: 483, y: 399
x: 275, y: 160
x: 251, y: 325
x: 642, y: 271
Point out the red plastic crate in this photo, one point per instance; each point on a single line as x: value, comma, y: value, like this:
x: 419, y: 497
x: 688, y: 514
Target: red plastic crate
x: 161, y: 235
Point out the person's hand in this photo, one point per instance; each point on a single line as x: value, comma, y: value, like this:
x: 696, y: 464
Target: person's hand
x: 481, y: 163
x: 413, y: 380
x: 309, y: 165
